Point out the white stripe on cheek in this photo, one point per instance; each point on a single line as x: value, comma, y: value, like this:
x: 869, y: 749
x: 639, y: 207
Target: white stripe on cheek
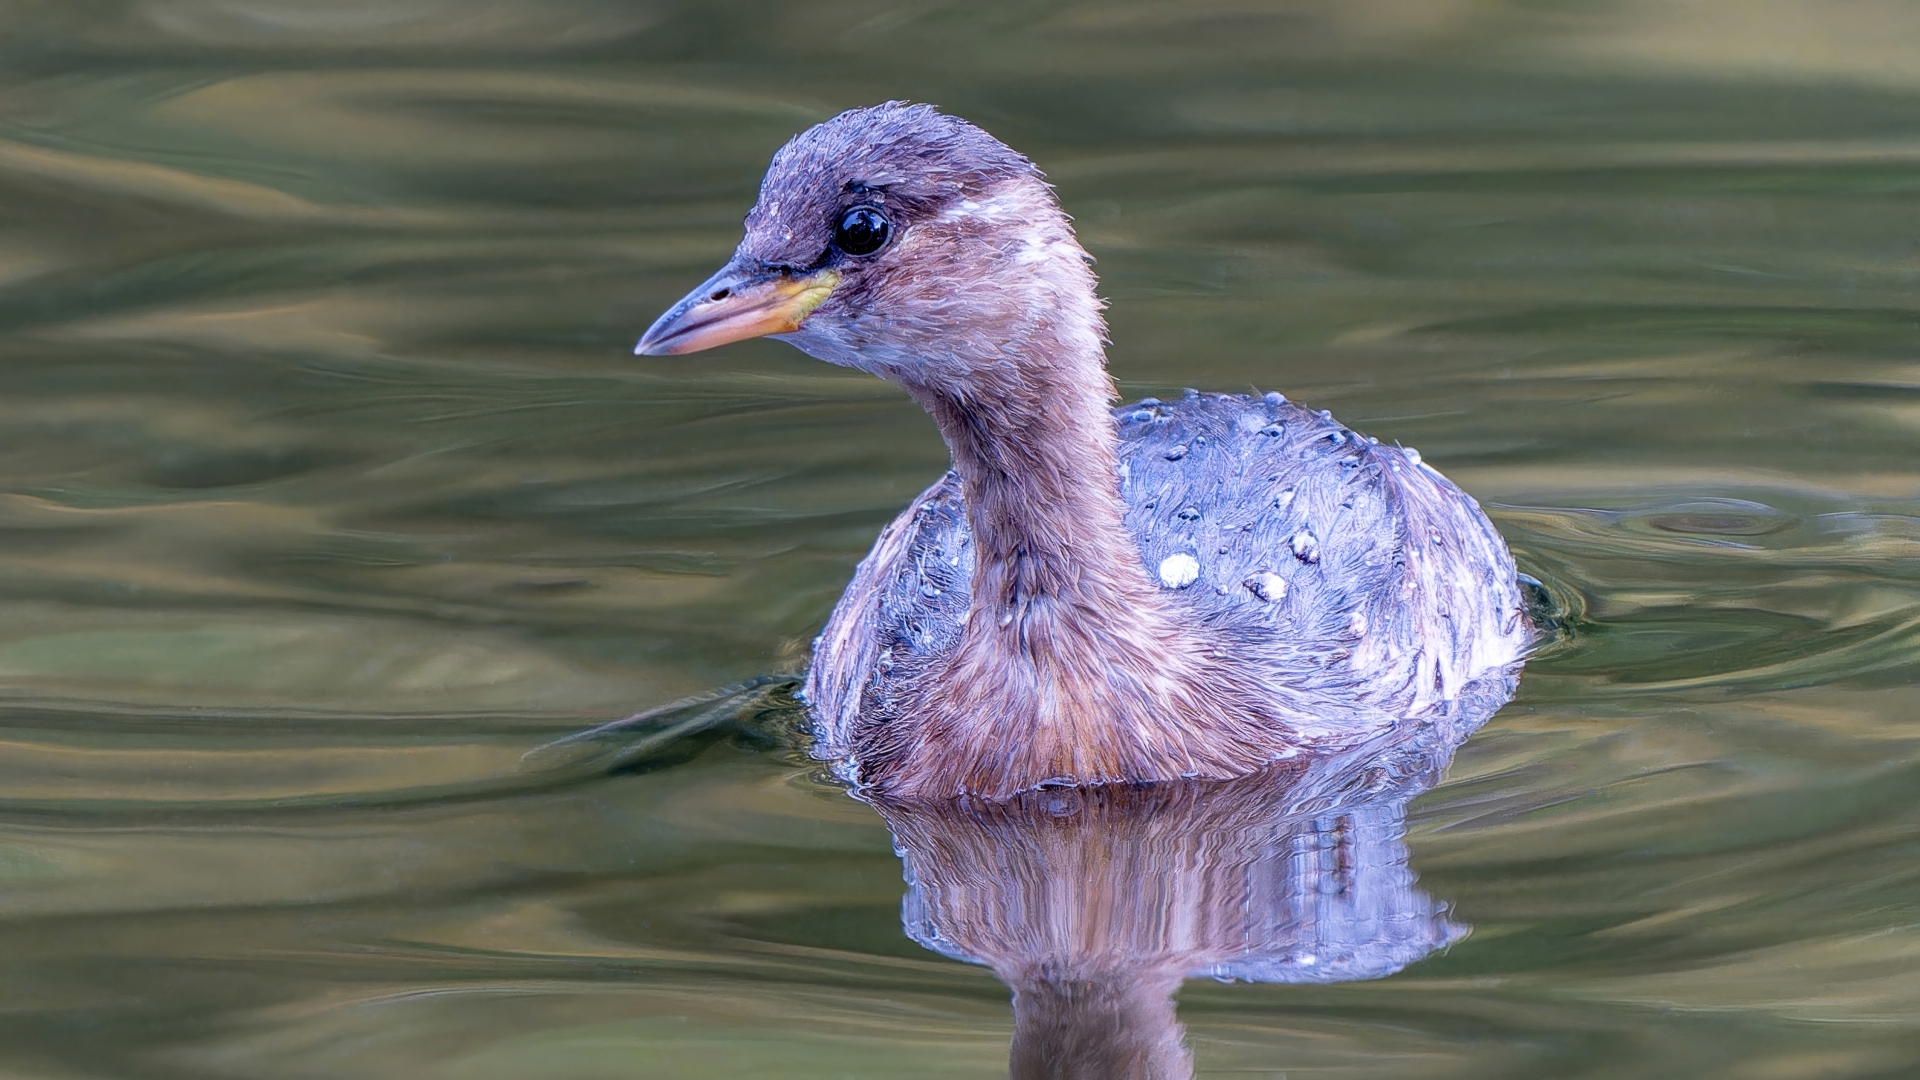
x: 999, y: 209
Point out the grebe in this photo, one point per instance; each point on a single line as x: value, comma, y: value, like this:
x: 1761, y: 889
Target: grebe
x: 1187, y: 589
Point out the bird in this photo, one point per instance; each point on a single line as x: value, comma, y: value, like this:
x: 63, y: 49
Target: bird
x: 1198, y: 588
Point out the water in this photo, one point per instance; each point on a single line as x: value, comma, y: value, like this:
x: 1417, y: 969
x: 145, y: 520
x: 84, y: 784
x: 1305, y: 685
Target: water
x: 329, y: 490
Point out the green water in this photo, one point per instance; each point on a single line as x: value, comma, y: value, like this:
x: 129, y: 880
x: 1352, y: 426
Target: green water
x: 328, y: 489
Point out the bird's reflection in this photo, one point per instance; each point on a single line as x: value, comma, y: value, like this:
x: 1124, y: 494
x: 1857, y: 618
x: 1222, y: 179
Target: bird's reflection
x: 1094, y: 904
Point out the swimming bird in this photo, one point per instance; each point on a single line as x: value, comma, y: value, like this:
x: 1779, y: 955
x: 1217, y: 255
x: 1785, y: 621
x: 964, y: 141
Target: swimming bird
x: 1194, y: 588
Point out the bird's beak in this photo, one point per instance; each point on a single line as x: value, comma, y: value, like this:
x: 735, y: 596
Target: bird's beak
x: 741, y: 301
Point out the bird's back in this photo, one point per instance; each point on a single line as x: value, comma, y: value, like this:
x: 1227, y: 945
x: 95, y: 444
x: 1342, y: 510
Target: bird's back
x: 1358, y: 581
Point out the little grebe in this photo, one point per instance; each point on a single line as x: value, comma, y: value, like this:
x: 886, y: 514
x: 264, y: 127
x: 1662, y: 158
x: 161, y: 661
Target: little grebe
x: 1172, y: 589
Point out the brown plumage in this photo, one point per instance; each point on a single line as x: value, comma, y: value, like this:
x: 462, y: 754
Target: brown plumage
x: 1361, y: 590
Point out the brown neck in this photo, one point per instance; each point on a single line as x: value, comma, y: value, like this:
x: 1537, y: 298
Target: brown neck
x: 1036, y: 459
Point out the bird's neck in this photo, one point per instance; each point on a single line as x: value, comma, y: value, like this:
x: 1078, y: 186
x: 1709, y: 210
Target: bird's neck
x: 1036, y: 454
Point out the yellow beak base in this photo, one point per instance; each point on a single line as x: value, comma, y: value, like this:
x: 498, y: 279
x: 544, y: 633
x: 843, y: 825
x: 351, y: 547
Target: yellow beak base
x: 736, y: 304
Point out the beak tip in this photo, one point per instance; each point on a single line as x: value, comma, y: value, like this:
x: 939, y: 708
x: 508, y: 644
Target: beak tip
x: 653, y: 344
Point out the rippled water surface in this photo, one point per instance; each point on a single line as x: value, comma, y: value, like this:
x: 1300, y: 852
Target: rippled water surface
x: 328, y: 490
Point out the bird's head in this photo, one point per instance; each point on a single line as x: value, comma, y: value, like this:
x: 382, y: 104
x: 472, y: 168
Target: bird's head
x: 901, y: 241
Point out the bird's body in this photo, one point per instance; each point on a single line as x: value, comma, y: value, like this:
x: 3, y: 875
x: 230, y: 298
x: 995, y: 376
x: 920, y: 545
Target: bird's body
x: 1189, y: 589
x: 1367, y: 589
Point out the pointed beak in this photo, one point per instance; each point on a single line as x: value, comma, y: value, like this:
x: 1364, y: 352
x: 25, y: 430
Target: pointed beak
x: 741, y: 301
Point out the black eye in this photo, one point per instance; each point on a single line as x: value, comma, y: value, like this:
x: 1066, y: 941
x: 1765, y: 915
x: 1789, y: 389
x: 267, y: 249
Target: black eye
x: 861, y: 231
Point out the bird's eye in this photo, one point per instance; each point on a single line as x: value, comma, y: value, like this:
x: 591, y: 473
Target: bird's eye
x: 861, y: 231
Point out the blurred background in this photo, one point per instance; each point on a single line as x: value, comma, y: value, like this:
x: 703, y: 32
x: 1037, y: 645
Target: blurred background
x: 329, y: 488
